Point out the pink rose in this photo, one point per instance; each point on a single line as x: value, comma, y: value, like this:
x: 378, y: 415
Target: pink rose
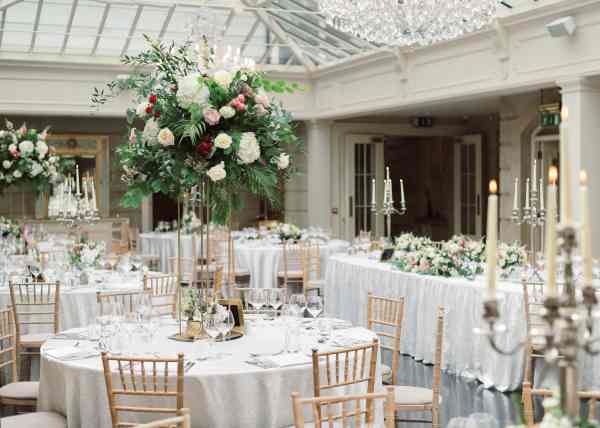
x: 241, y: 98
x: 260, y: 110
x: 22, y: 130
x: 262, y: 99
x: 211, y: 116
x: 132, y: 137
x: 13, y: 150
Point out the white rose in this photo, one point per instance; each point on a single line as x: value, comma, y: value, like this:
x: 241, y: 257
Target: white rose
x: 2, y: 134
x: 150, y: 131
x: 42, y: 148
x: 18, y: 174
x: 190, y: 90
x: 6, y: 164
x: 217, y: 172
x: 26, y: 147
x: 166, y: 137
x: 283, y: 161
x: 223, y: 141
x: 36, y: 169
x: 227, y: 112
x: 223, y: 78
x: 140, y: 110
x: 249, y: 150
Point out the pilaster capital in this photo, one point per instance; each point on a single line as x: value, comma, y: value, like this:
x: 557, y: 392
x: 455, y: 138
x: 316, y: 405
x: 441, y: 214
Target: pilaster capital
x: 575, y: 84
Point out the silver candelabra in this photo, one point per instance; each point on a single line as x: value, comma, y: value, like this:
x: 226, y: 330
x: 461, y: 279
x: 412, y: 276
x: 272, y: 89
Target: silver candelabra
x: 564, y: 319
x: 388, y: 209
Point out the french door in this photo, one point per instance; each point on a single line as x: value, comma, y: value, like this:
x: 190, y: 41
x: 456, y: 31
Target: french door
x: 364, y: 162
x: 467, y: 186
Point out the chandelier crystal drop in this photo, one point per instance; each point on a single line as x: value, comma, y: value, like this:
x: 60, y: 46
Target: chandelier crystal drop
x: 408, y: 22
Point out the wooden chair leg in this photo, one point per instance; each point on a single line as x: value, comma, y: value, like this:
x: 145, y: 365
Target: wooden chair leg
x: 527, y: 404
x: 435, y: 417
x: 592, y: 409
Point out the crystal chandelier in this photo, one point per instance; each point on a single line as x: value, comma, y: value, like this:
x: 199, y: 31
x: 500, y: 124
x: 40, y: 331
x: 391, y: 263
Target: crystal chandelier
x: 408, y: 22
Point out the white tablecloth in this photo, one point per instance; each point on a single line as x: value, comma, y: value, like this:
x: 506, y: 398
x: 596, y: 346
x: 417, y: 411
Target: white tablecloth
x: 78, y: 306
x: 350, y: 278
x: 224, y: 393
x: 262, y: 259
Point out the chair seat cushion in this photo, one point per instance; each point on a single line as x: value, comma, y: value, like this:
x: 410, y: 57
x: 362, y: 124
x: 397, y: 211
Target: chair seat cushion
x: 386, y: 374
x: 20, y: 390
x: 34, y: 420
x: 291, y: 274
x: 34, y: 339
x: 412, y: 395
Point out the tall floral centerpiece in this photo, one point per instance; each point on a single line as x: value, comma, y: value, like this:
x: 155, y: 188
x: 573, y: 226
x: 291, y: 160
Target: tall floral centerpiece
x: 200, y: 118
x: 26, y: 158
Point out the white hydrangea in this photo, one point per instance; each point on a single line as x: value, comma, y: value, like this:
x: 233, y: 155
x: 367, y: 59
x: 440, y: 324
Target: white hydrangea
x: 223, y: 78
x: 7, y: 164
x: 190, y: 91
x: 26, y: 147
x: 227, y: 112
x: 166, y: 137
x: 223, y: 141
x: 17, y: 174
x: 249, y: 150
x: 42, y: 149
x: 283, y: 161
x: 140, y: 110
x: 217, y: 172
x: 150, y: 132
x: 36, y: 169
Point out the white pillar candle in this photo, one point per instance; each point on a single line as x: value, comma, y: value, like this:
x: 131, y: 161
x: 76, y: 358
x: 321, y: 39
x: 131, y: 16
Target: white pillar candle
x: 541, y: 196
x: 551, y: 235
x: 527, y: 193
x: 402, y: 200
x: 77, y: 179
x: 391, y: 192
x: 516, y: 195
x: 565, y: 179
x: 534, y: 173
x: 373, y: 193
x: 387, y: 172
x: 492, y: 240
x: 94, y: 201
x: 586, y: 232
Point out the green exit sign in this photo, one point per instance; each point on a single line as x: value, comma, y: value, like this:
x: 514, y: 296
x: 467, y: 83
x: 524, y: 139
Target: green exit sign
x: 549, y: 115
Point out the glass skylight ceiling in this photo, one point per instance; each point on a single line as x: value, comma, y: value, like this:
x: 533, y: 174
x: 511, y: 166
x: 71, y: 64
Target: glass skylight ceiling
x: 276, y: 32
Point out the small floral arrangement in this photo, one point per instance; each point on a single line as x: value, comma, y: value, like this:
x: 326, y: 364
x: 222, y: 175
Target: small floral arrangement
x: 554, y: 418
x: 511, y: 255
x: 202, y: 118
x: 428, y: 260
x: 163, y: 226
x: 86, y: 253
x: 289, y: 232
x: 26, y: 157
x: 190, y: 223
x: 9, y: 228
x: 408, y: 242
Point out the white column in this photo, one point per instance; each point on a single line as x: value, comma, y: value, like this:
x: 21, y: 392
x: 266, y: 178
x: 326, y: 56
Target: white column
x: 318, y: 168
x: 582, y: 98
x: 147, y: 214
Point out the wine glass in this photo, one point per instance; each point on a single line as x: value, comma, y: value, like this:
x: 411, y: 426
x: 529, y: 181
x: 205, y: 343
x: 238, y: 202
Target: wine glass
x: 228, y: 323
x: 212, y: 328
x: 256, y: 298
x: 299, y: 300
x: 314, y: 306
x: 275, y: 297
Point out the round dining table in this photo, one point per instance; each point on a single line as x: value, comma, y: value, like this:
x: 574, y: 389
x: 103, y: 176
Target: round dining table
x: 262, y: 258
x: 234, y: 388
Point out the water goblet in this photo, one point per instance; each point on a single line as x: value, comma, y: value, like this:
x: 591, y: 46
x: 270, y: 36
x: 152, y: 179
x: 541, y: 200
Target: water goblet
x: 314, y: 306
x: 299, y: 300
x: 212, y: 328
x: 275, y: 298
x: 256, y: 298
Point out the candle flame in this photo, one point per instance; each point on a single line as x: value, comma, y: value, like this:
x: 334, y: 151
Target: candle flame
x: 553, y: 174
x: 564, y: 113
x: 583, y: 177
x: 493, y: 186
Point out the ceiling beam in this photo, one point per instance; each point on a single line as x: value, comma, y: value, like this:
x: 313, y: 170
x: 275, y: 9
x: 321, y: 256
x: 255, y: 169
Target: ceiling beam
x: 282, y: 35
x: 132, y: 29
x: 100, y: 28
x: 268, y: 49
x: 166, y: 22
x: 228, y: 22
x: 5, y: 4
x: 69, y: 26
x: 249, y: 36
x: 36, y: 24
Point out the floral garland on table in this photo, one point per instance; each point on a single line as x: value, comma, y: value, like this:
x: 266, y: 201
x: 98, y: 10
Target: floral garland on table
x: 288, y: 232
x: 460, y: 256
x: 202, y: 120
x: 9, y: 228
x: 86, y: 253
x: 26, y: 157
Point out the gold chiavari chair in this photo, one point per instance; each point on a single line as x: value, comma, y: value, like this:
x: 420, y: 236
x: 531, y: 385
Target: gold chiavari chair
x: 311, y: 268
x: 384, y: 317
x: 164, y: 289
x: 128, y: 378
x: 355, y: 365
x: 35, y: 420
x: 35, y: 306
x: 13, y: 393
x: 293, y: 265
x: 415, y: 399
x: 199, y: 271
x: 181, y: 421
x: 223, y: 254
x: 344, y: 410
x: 128, y: 300
x: 133, y: 236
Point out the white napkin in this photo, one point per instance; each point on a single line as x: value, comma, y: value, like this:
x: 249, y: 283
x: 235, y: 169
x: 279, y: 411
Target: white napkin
x: 73, y: 334
x: 352, y: 337
x: 70, y: 353
x: 287, y: 360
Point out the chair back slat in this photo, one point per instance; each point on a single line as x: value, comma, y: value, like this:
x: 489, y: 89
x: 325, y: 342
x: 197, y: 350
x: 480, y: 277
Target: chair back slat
x: 293, y: 260
x: 164, y: 290
x: 181, y: 421
x: 345, y: 410
x: 127, y: 381
x: 311, y: 262
x: 128, y: 300
x: 384, y: 318
x: 8, y: 344
x: 35, y: 303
